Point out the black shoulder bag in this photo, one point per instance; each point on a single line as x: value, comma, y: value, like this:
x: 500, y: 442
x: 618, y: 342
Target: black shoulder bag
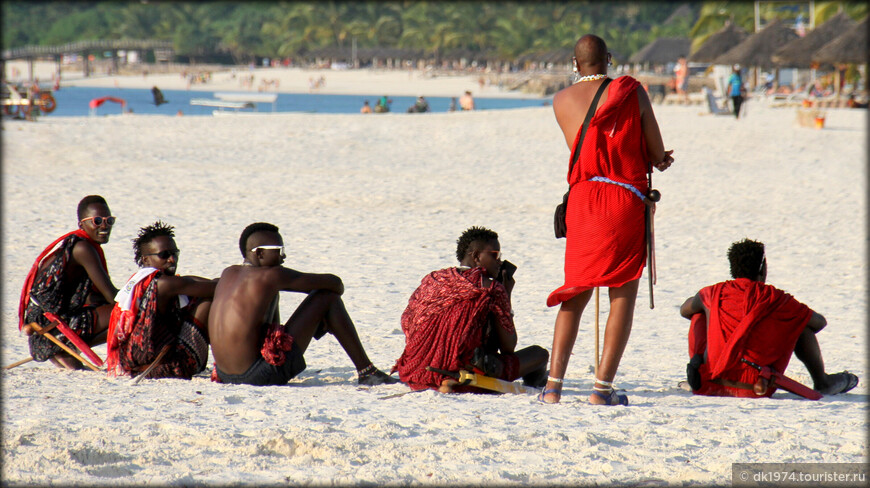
x: 559, y: 225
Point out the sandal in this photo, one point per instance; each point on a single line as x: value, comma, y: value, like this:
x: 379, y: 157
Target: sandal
x: 551, y: 391
x: 608, y: 394
x: 611, y: 398
x: 839, y: 383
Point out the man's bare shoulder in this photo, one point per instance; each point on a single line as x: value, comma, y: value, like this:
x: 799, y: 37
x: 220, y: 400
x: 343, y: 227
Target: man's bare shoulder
x: 565, y: 96
x: 259, y: 272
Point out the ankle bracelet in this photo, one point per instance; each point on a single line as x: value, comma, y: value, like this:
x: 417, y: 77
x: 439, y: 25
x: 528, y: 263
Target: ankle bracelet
x: 367, y: 370
x: 554, y: 380
x: 608, y: 385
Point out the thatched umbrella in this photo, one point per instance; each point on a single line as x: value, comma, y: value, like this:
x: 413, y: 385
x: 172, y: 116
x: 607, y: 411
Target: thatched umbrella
x: 797, y: 53
x: 719, y: 43
x: 757, y: 49
x: 662, y: 51
x: 850, y: 47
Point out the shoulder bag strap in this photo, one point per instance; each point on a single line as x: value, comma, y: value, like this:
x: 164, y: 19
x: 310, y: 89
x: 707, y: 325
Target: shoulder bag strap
x: 589, y: 115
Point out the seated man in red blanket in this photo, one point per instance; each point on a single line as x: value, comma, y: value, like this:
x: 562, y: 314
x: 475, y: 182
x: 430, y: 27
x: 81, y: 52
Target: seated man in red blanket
x: 70, y: 280
x: 746, y: 319
x: 154, y: 310
x: 249, y: 344
x: 461, y: 318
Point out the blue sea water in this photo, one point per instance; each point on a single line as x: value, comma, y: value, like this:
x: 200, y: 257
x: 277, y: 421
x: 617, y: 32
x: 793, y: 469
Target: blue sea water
x: 73, y: 102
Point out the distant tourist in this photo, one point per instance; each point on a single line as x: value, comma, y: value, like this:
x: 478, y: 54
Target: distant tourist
x: 681, y: 73
x: 420, y: 106
x: 366, y: 108
x: 736, y: 90
x: 452, y: 107
x: 466, y: 101
x: 383, y: 105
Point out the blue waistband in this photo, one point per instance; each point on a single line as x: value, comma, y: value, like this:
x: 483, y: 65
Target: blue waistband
x: 603, y: 179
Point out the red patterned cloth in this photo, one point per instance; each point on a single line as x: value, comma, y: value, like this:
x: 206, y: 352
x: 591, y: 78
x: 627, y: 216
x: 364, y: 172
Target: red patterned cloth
x: 137, y: 335
x: 54, y: 281
x: 605, y: 239
x: 747, y: 319
x: 275, y: 344
x: 48, y: 288
x: 447, y: 317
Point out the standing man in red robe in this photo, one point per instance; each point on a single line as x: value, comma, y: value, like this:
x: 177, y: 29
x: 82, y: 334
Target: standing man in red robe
x: 70, y: 280
x: 747, y: 319
x: 605, y: 214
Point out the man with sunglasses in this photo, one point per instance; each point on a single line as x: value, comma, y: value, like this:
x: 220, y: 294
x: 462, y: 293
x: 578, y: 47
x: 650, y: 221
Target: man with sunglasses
x: 249, y: 343
x: 461, y: 318
x: 157, y: 310
x: 70, y: 280
x: 746, y: 319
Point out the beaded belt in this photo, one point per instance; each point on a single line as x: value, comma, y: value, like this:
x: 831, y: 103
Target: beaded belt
x: 634, y: 190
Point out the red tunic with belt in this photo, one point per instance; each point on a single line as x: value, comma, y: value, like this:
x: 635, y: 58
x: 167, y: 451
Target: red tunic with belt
x: 744, y: 319
x: 605, y: 238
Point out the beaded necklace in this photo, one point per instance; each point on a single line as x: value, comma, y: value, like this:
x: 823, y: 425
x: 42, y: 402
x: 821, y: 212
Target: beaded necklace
x: 591, y: 77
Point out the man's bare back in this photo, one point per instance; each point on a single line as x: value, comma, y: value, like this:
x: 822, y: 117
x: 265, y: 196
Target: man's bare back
x: 246, y: 303
x: 242, y: 304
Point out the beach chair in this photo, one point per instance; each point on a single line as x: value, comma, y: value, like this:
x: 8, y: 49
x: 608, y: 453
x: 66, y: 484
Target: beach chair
x: 713, y: 104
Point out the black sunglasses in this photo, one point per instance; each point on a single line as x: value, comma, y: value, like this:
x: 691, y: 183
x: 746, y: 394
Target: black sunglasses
x: 165, y: 254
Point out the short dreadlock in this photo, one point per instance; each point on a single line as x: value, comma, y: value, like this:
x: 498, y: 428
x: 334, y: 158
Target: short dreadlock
x: 148, y: 234
x: 473, y: 239
x: 746, y: 258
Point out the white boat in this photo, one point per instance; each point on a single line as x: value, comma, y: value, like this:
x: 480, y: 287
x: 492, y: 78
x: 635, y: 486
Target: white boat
x: 249, y: 97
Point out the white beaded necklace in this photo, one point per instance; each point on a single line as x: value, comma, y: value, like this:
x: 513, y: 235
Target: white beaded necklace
x: 591, y: 77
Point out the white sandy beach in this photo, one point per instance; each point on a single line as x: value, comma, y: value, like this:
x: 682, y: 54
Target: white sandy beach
x: 380, y: 201
x: 290, y: 80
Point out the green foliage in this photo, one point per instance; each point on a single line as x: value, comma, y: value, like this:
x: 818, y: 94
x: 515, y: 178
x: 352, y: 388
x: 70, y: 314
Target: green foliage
x: 248, y: 30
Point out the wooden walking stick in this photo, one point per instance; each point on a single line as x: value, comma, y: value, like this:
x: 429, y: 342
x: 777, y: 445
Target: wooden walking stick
x: 74, y: 338
x: 18, y: 363
x: 153, y: 364
x: 30, y: 330
x: 63, y: 346
x: 653, y: 196
x: 596, y: 332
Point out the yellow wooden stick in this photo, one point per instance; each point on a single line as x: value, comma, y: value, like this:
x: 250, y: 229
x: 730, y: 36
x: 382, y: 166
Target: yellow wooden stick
x: 18, y: 363
x: 63, y: 346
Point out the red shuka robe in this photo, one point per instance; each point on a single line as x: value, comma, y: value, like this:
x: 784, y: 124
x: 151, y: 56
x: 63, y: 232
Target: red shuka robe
x: 605, y: 238
x: 136, y: 335
x: 445, y: 321
x: 122, y: 322
x: 747, y: 319
x: 50, y: 249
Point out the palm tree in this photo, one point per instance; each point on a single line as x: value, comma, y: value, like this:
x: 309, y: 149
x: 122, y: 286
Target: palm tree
x: 713, y: 16
x: 295, y: 28
x: 240, y: 33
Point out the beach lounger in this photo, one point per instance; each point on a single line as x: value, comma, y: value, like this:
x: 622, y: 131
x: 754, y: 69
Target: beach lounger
x: 713, y: 104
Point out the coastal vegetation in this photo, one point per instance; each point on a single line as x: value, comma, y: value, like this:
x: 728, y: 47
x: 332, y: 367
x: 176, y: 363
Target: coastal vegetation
x: 242, y: 32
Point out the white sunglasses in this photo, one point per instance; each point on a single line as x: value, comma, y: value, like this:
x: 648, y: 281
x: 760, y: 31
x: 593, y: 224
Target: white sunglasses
x: 273, y: 247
